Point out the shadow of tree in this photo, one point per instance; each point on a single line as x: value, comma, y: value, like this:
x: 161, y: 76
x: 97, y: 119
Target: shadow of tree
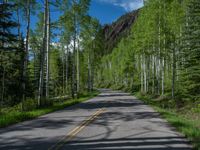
x: 149, y: 143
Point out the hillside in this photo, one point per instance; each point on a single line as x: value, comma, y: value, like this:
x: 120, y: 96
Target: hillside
x: 120, y: 28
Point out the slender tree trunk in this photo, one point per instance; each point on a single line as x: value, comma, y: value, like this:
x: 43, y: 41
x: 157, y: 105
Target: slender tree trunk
x: 73, y: 66
x: 63, y: 71
x: 35, y: 74
x: 147, y: 71
x: 89, y: 72
x: 145, y: 74
x: 159, y: 49
x: 156, y: 73
x: 78, y: 70
x: 42, y: 57
x: 173, y: 71
x: 153, y: 71
x: 47, y: 50
x: 3, y: 89
x: 163, y: 75
x: 26, y: 52
x: 3, y: 69
x: 163, y: 58
x: 141, y: 62
x: 67, y: 67
x: 92, y: 66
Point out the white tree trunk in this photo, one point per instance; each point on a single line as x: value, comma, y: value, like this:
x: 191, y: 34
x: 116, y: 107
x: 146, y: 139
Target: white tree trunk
x: 163, y: 75
x: 77, y: 69
x: 63, y: 71
x: 159, y: 48
x: 47, y: 50
x: 145, y: 74
x: 141, y: 76
x: 42, y: 58
x: 66, y: 81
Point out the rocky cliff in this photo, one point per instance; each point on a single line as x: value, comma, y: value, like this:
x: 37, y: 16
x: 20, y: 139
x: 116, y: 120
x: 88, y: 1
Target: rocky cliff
x: 120, y: 28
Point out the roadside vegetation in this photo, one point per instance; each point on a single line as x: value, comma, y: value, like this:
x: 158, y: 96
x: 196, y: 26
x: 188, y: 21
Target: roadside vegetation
x: 185, y: 119
x: 12, y: 115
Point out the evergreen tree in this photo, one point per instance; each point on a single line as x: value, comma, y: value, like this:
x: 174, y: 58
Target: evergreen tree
x: 10, y: 56
x: 191, y: 50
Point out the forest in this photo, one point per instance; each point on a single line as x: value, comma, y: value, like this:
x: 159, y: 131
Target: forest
x: 67, y: 57
x: 161, y: 55
x: 55, y: 59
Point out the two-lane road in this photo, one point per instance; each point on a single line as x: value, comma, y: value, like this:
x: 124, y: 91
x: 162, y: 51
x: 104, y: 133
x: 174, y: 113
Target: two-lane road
x: 111, y: 121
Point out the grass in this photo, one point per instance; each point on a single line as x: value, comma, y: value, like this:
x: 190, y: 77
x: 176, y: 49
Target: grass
x: 185, y: 120
x: 16, y: 116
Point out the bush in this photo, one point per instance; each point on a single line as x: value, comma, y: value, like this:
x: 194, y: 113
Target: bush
x: 29, y: 104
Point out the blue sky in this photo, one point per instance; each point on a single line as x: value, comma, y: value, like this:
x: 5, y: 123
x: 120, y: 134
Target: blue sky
x: 106, y: 11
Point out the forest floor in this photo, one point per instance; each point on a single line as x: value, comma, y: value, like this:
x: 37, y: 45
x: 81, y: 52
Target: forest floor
x: 186, y: 119
x: 13, y: 115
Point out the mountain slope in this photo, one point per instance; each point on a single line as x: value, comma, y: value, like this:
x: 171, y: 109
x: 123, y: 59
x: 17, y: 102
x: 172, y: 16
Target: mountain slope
x: 120, y: 28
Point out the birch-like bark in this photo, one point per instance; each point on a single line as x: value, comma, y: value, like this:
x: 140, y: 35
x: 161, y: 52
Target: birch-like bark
x: 42, y: 56
x: 159, y: 48
x: 141, y: 62
x: 145, y: 74
x: 74, y: 88
x: 152, y: 72
x: 47, y: 50
x: 163, y: 74
x: 63, y: 71
x: 67, y: 67
x: 73, y: 66
x: 77, y: 69
x: 163, y: 59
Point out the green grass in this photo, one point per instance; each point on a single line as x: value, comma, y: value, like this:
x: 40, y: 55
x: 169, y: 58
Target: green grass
x: 16, y: 116
x: 182, y: 121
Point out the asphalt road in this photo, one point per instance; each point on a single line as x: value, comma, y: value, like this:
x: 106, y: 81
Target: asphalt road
x: 111, y: 121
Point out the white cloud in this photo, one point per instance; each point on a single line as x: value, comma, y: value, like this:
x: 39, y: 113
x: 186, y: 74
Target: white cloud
x: 128, y: 5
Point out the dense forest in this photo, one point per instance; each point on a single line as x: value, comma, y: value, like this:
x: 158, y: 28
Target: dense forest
x: 159, y: 55
x: 54, y: 59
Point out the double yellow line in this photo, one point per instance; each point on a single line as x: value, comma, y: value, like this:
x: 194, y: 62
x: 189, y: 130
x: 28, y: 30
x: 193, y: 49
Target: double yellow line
x: 76, y: 130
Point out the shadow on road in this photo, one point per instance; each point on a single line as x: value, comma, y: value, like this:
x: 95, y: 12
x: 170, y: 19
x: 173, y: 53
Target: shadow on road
x: 150, y: 143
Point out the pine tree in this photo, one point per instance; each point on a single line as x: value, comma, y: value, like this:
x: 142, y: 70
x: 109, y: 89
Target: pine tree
x: 8, y: 50
x: 191, y: 48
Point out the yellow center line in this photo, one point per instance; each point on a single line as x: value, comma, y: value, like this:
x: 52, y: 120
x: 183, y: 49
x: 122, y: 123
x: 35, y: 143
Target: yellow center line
x: 76, y: 130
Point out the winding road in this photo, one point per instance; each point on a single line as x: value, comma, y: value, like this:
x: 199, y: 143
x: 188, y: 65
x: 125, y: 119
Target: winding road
x: 111, y: 121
